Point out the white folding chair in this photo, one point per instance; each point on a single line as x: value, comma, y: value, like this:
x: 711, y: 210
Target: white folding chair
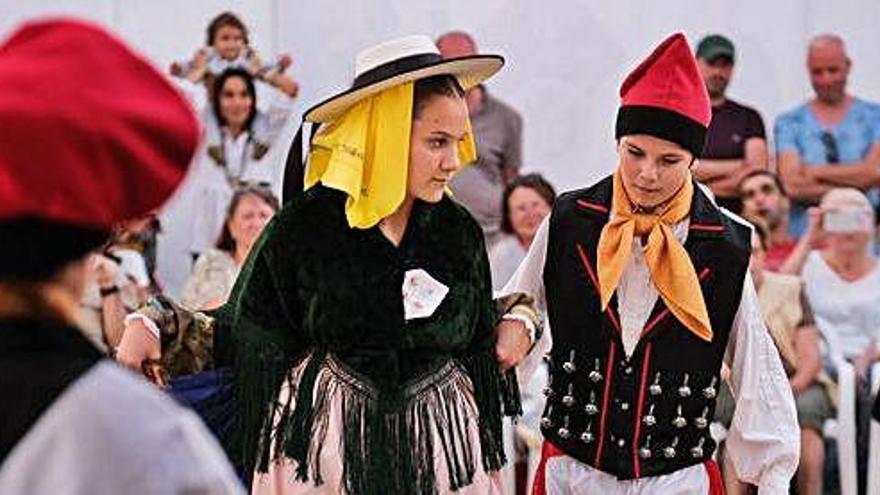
x: 843, y: 427
x: 874, y: 445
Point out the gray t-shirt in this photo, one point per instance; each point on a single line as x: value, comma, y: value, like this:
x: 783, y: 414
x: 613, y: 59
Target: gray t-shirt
x: 498, y: 134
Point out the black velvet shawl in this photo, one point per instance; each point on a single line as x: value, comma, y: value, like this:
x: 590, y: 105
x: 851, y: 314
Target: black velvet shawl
x: 315, y: 287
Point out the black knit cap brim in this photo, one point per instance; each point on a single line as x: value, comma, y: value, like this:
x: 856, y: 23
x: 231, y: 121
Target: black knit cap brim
x: 661, y: 123
x: 33, y: 249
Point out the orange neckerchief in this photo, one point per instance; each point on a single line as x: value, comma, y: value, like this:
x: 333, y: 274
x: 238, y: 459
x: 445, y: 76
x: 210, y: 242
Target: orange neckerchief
x: 671, y: 268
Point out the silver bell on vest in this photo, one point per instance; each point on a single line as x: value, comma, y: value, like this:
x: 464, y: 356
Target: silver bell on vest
x: 569, y: 365
x: 684, y: 390
x: 710, y: 392
x: 697, y: 451
x: 546, y: 421
x: 650, y: 419
x: 592, y: 409
x: 645, y: 451
x: 595, y: 376
x: 568, y: 399
x: 679, y: 421
x: 703, y: 421
x: 564, y: 432
x: 669, y: 451
x: 655, y: 389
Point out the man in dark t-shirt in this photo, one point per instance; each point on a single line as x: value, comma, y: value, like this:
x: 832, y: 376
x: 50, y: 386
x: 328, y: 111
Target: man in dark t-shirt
x: 736, y: 143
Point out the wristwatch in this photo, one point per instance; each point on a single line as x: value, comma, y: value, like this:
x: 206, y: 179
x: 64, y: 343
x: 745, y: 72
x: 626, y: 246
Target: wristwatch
x: 107, y: 291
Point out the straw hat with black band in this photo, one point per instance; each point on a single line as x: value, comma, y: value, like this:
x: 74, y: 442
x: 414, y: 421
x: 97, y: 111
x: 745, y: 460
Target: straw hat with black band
x: 381, y: 67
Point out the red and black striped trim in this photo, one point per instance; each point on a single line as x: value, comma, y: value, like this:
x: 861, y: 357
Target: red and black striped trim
x: 637, y: 421
x: 585, y: 260
x: 593, y: 206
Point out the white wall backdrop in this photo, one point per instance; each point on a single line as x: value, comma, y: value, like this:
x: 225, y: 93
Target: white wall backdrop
x: 566, y: 58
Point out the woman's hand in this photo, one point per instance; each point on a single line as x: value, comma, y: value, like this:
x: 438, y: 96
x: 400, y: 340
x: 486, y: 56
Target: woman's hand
x: 137, y: 345
x: 814, y: 231
x: 105, y: 271
x: 512, y: 343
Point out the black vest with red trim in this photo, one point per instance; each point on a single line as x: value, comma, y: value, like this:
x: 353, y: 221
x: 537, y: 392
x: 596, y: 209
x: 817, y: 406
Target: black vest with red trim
x: 648, y: 414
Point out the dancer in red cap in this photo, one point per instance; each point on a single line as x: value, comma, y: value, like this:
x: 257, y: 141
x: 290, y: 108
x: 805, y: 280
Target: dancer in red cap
x: 78, y: 155
x: 645, y: 284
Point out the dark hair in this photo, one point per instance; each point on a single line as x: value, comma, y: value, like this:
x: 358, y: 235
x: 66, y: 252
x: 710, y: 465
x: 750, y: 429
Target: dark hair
x: 225, y: 242
x: 225, y: 19
x: 218, y: 89
x: 765, y: 173
x: 761, y: 229
x: 535, y: 182
x: 429, y: 87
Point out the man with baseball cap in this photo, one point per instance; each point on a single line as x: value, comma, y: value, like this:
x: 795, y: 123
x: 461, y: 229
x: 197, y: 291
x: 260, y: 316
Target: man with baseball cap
x: 736, y: 143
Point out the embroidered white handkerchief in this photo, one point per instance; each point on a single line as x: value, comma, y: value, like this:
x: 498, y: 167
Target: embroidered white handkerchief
x: 422, y: 294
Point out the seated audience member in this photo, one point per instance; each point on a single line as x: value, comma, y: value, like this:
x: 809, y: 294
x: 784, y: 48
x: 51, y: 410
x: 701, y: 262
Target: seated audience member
x: 526, y: 202
x: 736, y: 143
x: 764, y: 198
x: 117, y: 282
x: 833, y: 140
x: 234, y: 155
x: 843, y: 286
x: 215, y: 271
x: 790, y: 322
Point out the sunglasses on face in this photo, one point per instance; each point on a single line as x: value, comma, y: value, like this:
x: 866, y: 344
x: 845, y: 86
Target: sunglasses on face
x: 765, y: 189
x: 832, y: 155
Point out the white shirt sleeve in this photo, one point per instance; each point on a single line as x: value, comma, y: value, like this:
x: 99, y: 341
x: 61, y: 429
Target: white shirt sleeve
x: 278, y: 113
x: 529, y: 279
x: 764, y: 437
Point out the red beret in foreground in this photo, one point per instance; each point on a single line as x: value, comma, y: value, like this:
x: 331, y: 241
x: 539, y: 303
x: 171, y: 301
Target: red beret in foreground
x: 91, y: 133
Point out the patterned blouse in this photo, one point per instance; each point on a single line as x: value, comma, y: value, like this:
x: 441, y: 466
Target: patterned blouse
x: 211, y: 281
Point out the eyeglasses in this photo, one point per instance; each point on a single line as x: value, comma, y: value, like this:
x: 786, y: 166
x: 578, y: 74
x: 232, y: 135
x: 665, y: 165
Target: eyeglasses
x: 832, y: 155
x: 765, y: 189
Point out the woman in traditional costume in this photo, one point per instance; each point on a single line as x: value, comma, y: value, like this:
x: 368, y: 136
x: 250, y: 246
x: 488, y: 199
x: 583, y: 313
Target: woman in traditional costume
x: 646, y: 287
x: 367, y: 301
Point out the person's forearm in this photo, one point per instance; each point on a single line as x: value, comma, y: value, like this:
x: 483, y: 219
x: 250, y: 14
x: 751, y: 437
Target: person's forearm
x: 112, y: 318
x: 283, y: 83
x: 806, y: 189
x: 714, y: 170
x: 859, y: 175
x: 795, y: 261
x: 727, y: 187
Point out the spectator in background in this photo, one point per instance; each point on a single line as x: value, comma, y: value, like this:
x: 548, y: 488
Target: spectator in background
x: 140, y: 235
x: 831, y: 141
x: 117, y: 282
x: 843, y: 286
x: 526, y: 201
x: 235, y: 150
x: 498, y: 132
x: 736, y: 144
x: 215, y: 271
x: 227, y: 47
x: 764, y: 198
x: 790, y: 323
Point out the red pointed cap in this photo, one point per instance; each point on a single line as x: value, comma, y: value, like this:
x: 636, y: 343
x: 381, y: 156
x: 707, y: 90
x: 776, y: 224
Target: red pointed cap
x: 665, y: 96
x: 92, y: 135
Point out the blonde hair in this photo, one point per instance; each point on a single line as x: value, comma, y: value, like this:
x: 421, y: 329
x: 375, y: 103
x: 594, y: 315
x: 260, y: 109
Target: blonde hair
x: 847, y: 198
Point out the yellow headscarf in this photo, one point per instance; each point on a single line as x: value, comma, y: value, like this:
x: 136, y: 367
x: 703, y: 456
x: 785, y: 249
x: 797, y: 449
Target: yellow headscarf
x: 365, y: 153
